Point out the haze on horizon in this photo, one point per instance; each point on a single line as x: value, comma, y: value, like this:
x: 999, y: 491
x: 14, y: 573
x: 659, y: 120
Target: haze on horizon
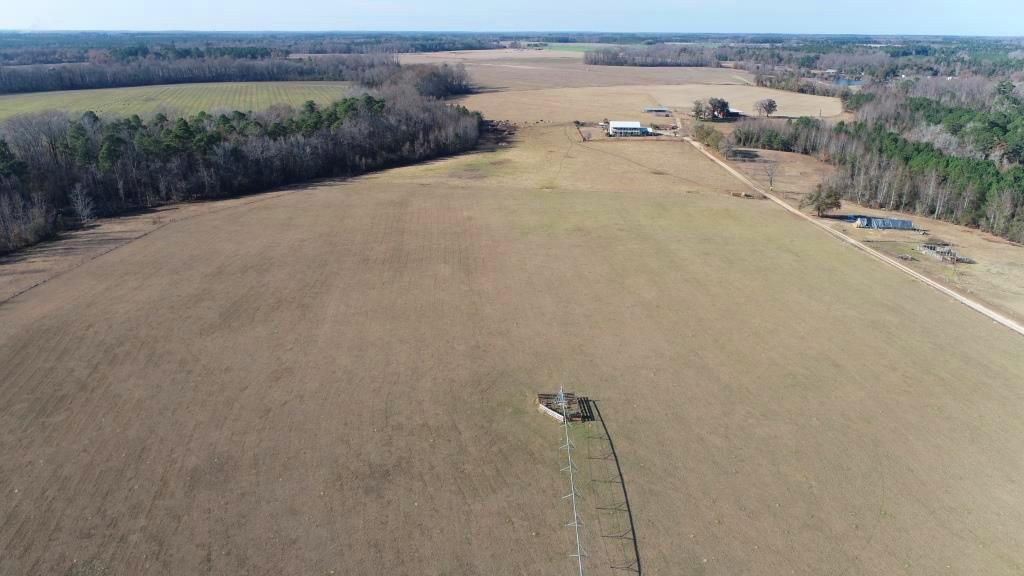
x: 913, y: 17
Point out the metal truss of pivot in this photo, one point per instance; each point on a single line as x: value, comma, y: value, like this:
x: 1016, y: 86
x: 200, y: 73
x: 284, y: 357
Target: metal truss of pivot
x: 573, y: 496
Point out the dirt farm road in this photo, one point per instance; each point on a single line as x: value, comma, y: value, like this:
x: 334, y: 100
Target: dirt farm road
x: 974, y: 305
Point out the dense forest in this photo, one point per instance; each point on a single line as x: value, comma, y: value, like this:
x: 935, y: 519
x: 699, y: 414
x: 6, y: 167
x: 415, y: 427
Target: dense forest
x: 972, y: 117
x: 40, y: 78
x: 369, y: 69
x: 57, y: 171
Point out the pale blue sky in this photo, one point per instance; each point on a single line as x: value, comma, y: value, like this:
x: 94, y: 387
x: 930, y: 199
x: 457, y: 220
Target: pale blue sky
x: 963, y: 17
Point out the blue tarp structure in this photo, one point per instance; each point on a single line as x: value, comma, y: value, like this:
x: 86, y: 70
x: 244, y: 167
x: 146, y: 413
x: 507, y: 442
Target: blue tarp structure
x: 884, y: 223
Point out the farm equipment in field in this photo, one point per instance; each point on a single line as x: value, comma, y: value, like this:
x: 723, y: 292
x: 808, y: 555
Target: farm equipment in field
x: 578, y: 408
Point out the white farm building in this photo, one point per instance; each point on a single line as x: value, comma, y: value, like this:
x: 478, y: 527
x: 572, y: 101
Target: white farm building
x: 620, y: 128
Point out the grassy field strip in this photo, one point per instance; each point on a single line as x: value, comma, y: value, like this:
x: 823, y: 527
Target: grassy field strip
x: 183, y: 98
x: 976, y: 306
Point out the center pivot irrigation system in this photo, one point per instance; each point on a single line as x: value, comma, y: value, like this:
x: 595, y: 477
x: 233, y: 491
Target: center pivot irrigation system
x: 567, y: 409
x: 573, y: 496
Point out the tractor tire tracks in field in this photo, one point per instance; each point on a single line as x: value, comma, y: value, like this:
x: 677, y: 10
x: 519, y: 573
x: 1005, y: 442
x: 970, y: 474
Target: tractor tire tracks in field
x: 129, y: 240
x: 641, y: 164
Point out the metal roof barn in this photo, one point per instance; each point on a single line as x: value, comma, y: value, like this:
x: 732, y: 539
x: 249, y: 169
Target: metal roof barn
x: 624, y: 128
x: 884, y: 223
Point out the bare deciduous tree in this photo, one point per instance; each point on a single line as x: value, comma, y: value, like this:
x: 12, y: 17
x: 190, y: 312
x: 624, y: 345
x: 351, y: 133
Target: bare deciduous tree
x: 824, y: 199
x: 81, y: 203
x: 770, y: 168
x: 699, y: 110
x: 766, y: 106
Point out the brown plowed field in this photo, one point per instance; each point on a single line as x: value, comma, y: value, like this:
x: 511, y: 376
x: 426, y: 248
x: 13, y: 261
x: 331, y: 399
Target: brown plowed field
x: 507, y: 70
x: 338, y: 379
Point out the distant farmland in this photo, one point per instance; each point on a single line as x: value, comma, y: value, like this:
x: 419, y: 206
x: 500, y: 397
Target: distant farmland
x: 578, y: 46
x: 184, y: 98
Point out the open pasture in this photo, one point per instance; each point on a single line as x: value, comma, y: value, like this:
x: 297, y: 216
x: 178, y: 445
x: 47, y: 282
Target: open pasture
x: 310, y: 382
x: 338, y: 378
x: 180, y: 98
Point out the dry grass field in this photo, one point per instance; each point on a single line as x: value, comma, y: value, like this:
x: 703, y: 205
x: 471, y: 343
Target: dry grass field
x: 628, y: 102
x: 338, y: 379
x: 181, y: 98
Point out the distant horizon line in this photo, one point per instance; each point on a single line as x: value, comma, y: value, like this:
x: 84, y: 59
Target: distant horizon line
x: 510, y: 32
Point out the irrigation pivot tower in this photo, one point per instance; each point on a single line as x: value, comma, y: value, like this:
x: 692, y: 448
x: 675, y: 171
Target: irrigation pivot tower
x: 570, y: 467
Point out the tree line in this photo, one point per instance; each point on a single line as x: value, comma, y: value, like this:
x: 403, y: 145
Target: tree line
x: 358, y: 68
x: 793, y: 82
x: 57, y: 172
x: 368, y: 69
x: 18, y: 48
x: 970, y: 118
x: 656, y: 55
x: 828, y: 57
x: 882, y: 169
x: 173, y: 52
